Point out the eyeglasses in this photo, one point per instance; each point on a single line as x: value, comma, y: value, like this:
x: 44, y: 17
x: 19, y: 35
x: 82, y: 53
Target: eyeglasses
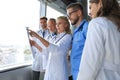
x: 69, y: 14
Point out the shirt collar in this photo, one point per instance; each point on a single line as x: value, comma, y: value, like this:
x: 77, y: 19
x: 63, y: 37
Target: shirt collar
x: 79, y: 25
x: 52, y: 33
x: 61, y: 34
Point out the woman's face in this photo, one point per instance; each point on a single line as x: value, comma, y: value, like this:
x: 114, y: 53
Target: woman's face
x: 61, y: 25
x: 94, y: 8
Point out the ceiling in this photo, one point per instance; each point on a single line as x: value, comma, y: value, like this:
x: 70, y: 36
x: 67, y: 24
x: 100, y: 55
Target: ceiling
x: 60, y: 5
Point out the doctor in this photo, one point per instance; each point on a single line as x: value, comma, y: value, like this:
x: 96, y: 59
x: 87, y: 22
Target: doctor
x: 75, y: 15
x: 58, y: 49
x: 37, y: 66
x: 101, y: 54
x: 51, y: 26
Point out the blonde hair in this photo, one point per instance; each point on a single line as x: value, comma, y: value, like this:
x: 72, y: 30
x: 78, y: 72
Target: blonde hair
x: 68, y: 30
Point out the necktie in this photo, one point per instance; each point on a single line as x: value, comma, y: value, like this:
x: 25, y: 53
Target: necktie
x: 43, y: 34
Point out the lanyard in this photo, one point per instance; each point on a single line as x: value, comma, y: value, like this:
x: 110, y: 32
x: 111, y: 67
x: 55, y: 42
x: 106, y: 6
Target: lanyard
x: 51, y: 36
x: 60, y: 38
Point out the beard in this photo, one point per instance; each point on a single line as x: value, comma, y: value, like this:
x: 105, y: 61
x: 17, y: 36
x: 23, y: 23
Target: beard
x: 75, y: 21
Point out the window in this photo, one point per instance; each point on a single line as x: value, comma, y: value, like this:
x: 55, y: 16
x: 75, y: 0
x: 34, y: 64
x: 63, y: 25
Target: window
x: 15, y: 16
x: 51, y: 11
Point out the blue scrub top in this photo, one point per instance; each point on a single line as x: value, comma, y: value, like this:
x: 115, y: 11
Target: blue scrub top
x: 79, y: 37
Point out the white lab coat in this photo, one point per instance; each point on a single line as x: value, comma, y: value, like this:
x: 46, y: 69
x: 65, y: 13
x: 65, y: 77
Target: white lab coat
x: 39, y: 60
x: 45, y: 53
x: 101, y: 54
x: 57, y: 63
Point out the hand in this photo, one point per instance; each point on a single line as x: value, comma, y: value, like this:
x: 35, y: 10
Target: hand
x: 32, y: 43
x: 68, y: 57
x: 33, y: 33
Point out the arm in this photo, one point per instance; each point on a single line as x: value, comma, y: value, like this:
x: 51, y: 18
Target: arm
x: 33, y: 43
x: 85, y: 29
x: 62, y: 46
x: 34, y: 34
x: 93, y: 53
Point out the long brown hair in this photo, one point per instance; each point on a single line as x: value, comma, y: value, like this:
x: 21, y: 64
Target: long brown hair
x: 68, y: 30
x: 110, y: 9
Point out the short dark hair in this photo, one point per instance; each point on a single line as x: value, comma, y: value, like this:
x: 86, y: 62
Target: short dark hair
x: 43, y: 18
x: 52, y: 19
x: 75, y: 6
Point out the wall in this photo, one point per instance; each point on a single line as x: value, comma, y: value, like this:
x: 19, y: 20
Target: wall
x: 23, y: 73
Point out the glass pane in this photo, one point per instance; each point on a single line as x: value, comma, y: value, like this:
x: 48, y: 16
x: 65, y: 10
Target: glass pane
x: 15, y: 16
x: 50, y: 12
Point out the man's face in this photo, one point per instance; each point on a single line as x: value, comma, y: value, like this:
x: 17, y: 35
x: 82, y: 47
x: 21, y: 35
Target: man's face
x: 51, y: 26
x: 43, y: 23
x: 73, y: 16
